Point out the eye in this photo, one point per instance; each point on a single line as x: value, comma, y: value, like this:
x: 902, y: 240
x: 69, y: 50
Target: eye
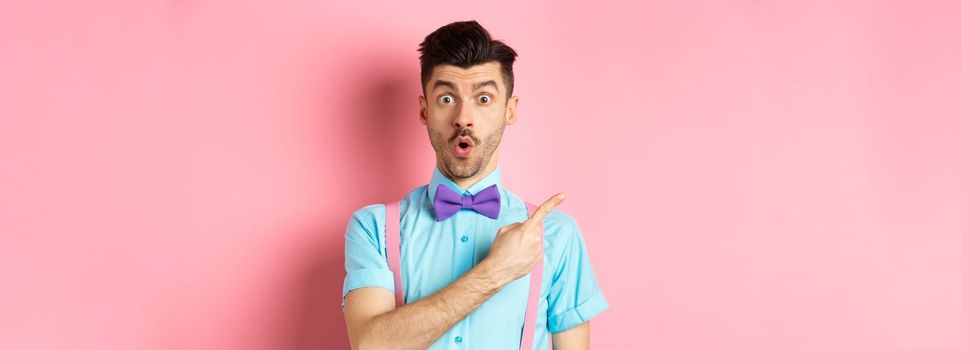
x: 485, y: 99
x: 446, y: 99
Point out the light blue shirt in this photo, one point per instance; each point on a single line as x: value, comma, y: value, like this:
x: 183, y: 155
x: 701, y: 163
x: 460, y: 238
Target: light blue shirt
x: 434, y: 254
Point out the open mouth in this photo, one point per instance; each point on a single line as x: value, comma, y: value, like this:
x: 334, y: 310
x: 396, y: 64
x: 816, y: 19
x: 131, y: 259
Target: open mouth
x: 463, y: 146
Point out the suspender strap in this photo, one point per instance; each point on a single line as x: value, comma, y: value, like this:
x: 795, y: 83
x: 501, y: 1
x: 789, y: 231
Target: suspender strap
x: 533, y: 297
x: 392, y: 234
x: 393, y: 249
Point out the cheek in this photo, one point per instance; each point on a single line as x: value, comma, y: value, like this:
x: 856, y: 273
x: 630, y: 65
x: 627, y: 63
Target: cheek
x: 492, y: 117
x: 437, y: 121
x: 438, y: 115
x: 439, y: 125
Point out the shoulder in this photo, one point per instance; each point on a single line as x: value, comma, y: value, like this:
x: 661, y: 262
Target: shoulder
x: 368, y: 214
x: 366, y: 221
x: 559, y: 226
x: 562, y: 239
x: 370, y: 218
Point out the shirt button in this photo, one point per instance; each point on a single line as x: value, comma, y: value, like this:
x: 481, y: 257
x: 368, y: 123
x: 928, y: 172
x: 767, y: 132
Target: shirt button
x: 463, y: 239
x: 458, y: 339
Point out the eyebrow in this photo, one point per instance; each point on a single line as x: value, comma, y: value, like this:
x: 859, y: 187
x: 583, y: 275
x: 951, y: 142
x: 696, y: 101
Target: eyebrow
x: 476, y: 86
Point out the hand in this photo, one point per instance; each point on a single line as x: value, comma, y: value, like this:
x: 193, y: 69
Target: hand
x: 518, y: 247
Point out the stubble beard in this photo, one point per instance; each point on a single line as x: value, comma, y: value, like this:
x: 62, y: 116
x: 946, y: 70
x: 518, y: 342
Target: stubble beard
x: 459, y: 168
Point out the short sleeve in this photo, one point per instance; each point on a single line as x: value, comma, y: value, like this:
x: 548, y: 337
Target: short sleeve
x: 365, y: 258
x: 574, y: 296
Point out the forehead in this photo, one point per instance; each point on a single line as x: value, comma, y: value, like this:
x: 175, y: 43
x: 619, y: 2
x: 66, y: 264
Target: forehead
x: 467, y: 76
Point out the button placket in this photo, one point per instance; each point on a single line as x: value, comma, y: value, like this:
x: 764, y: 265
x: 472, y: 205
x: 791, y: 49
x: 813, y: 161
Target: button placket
x: 463, y: 247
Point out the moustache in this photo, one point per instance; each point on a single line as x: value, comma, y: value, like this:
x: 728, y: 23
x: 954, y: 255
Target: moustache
x: 467, y: 133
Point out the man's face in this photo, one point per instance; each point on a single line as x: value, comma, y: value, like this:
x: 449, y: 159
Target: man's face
x: 466, y: 111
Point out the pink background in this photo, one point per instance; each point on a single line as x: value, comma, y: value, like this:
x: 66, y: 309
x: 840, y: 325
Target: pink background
x: 747, y: 174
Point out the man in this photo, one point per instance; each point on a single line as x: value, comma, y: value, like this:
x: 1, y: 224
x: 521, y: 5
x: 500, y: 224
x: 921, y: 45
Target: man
x: 464, y: 270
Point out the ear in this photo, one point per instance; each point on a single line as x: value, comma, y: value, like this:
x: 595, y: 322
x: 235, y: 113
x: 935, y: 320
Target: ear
x: 423, y: 109
x: 512, y: 109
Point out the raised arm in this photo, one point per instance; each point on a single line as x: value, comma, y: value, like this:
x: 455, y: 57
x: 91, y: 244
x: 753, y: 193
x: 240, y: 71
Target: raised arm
x: 373, y: 322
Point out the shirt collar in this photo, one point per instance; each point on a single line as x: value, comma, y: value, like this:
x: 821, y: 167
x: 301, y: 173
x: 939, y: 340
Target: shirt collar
x: 494, y: 178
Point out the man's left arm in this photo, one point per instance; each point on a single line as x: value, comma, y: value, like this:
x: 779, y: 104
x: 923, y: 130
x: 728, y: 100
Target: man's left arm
x: 575, y: 296
x: 576, y: 338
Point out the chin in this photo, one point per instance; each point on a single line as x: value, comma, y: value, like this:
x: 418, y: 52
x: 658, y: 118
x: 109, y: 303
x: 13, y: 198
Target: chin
x: 462, y: 168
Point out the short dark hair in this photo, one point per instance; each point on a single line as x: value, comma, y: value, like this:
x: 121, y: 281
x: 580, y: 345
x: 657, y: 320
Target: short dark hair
x: 465, y: 44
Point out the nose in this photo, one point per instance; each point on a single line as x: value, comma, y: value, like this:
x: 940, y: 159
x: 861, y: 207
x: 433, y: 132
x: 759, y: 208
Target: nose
x: 464, y: 117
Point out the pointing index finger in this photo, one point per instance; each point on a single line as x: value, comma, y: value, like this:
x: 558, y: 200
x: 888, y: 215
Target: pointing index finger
x: 544, y: 209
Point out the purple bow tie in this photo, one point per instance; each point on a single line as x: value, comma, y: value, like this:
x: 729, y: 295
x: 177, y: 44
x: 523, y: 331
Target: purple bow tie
x: 487, y: 202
